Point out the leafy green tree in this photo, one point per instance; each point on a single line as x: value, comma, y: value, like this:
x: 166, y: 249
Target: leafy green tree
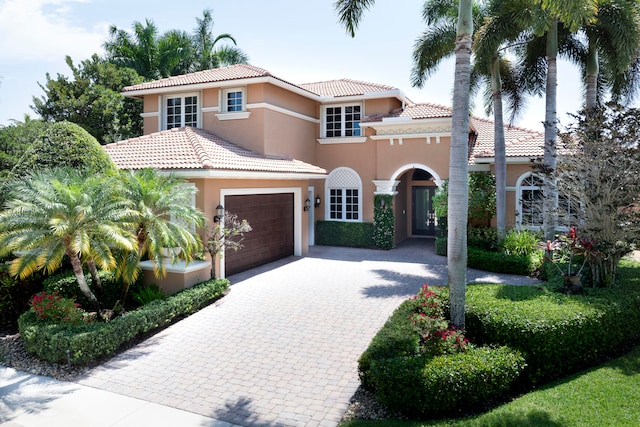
x: 349, y: 14
x: 91, y: 98
x: 65, y: 144
x: 164, y: 218
x: 51, y: 214
x: 16, y: 140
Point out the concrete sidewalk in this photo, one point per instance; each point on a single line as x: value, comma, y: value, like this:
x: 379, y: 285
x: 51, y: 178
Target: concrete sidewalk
x: 35, y: 401
x: 280, y: 350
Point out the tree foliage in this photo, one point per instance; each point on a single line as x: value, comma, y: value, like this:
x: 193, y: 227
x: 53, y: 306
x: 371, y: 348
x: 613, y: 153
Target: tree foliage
x: 16, y: 140
x: 599, y: 173
x: 65, y: 144
x: 91, y: 98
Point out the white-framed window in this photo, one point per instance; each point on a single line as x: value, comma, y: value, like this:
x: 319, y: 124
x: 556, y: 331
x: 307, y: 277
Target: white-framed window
x: 342, y: 120
x: 529, y: 193
x: 344, y: 188
x: 181, y: 110
x: 233, y: 100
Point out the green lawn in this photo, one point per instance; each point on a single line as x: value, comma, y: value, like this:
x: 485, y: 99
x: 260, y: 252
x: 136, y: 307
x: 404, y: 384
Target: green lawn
x: 607, y: 395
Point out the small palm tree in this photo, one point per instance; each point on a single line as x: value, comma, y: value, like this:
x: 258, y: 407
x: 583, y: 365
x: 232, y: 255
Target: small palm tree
x: 164, y: 218
x: 53, y: 213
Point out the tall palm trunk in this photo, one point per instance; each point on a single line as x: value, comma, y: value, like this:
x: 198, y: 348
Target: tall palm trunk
x: 593, y: 70
x: 550, y: 191
x: 499, y: 149
x: 458, y: 204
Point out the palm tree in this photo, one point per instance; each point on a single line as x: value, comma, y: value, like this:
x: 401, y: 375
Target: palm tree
x: 164, y: 218
x: 53, y: 213
x: 349, y: 14
x: 437, y: 43
x: 206, y: 54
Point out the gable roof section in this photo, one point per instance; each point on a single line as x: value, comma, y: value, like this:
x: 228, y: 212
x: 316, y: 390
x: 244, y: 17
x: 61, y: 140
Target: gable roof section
x: 345, y: 87
x: 196, y: 149
x: 519, y: 142
x: 214, y: 75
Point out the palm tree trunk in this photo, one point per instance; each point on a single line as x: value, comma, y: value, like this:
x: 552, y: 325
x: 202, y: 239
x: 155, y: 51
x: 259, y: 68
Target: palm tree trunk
x: 499, y: 148
x: 592, y: 76
x: 550, y: 192
x: 80, y: 277
x: 458, y: 204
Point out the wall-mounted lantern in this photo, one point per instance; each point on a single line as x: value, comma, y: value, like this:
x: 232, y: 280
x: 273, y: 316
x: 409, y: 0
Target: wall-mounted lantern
x: 307, y: 204
x: 317, y: 201
x: 219, y: 213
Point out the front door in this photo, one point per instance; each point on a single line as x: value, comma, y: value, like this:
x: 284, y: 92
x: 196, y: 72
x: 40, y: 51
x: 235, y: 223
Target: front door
x: 423, y: 217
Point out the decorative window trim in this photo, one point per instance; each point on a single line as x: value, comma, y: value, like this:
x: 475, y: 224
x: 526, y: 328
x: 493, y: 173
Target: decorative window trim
x: 234, y: 116
x: 224, y: 106
x: 519, y: 208
x: 343, y: 120
x: 182, y: 96
x: 353, y: 182
x: 343, y: 140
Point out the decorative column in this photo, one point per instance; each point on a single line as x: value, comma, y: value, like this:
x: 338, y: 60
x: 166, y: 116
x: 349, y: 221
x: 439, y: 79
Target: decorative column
x: 383, y: 214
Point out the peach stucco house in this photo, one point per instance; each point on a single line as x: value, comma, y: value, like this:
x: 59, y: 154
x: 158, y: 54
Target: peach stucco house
x: 286, y: 155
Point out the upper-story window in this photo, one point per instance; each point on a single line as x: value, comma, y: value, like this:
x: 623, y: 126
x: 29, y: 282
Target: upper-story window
x: 181, y: 111
x: 342, y: 120
x: 233, y: 100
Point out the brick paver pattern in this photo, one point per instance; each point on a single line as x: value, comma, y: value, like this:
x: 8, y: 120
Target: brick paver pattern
x: 281, y: 348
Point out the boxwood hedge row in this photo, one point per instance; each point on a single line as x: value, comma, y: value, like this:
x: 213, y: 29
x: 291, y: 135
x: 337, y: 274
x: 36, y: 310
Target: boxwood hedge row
x: 88, y: 342
x: 558, y: 334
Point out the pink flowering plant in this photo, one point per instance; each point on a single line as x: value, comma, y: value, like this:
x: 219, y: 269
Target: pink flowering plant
x: 437, y: 337
x: 57, y: 309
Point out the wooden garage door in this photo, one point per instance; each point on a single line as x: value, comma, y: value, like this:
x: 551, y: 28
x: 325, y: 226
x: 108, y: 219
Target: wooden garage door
x: 271, y: 217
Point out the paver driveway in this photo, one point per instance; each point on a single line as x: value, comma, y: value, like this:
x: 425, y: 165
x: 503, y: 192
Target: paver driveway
x: 282, y: 347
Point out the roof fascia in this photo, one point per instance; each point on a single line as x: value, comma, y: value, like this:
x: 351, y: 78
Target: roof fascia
x: 393, y: 93
x: 510, y: 160
x: 231, y: 174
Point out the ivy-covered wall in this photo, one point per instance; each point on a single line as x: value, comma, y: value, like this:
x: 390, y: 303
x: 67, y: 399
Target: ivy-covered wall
x: 350, y: 234
x: 383, y: 221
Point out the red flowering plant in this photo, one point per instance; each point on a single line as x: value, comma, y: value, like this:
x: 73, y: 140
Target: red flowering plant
x: 57, y: 309
x: 437, y: 337
x: 569, y: 253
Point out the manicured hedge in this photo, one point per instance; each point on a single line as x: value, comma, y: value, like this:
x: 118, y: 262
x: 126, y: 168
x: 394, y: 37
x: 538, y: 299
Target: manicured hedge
x: 338, y: 233
x: 422, y: 386
x: 499, y: 262
x: 92, y: 341
x: 558, y: 334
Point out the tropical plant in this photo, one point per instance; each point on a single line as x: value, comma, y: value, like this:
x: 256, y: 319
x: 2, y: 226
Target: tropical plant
x: 207, y: 54
x: 599, y: 173
x: 164, y: 217
x: 50, y: 214
x: 349, y: 14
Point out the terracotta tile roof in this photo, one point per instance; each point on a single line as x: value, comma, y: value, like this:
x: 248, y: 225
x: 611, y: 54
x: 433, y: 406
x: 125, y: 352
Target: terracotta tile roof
x: 344, y: 87
x: 191, y: 148
x: 415, y: 112
x: 232, y: 72
x: 519, y: 142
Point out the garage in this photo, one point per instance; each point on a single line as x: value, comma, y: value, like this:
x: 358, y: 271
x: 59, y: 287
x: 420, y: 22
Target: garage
x: 271, y: 217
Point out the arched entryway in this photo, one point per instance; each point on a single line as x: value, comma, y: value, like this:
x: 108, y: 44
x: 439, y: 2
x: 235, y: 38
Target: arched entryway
x: 413, y: 187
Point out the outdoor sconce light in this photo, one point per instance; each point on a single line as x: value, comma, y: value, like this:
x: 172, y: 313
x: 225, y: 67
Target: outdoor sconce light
x: 307, y: 204
x: 219, y: 213
x: 317, y: 201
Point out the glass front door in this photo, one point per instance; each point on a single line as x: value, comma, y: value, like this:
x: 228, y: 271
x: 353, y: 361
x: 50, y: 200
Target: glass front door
x: 423, y: 221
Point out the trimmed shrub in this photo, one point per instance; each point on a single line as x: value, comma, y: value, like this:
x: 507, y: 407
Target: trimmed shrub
x: 448, y: 384
x: 418, y: 383
x: 88, y: 342
x: 65, y: 284
x: 482, y: 238
x: 441, y: 246
x: 350, y: 234
x: 521, y: 242
x: 502, y: 263
x: 559, y: 334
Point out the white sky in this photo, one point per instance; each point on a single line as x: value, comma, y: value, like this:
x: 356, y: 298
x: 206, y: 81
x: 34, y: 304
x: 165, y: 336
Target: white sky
x: 298, y: 41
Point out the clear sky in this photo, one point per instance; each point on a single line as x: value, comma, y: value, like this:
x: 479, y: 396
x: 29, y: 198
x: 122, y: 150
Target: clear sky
x: 298, y: 41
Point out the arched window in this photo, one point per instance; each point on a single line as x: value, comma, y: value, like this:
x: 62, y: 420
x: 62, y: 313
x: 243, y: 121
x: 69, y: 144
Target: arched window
x: 529, y: 202
x: 529, y: 205
x: 344, y: 188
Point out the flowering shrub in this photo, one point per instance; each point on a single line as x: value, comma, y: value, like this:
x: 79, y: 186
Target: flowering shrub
x: 437, y: 337
x: 57, y: 309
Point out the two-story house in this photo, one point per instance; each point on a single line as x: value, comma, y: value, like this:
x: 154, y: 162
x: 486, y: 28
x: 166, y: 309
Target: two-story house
x: 286, y: 155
